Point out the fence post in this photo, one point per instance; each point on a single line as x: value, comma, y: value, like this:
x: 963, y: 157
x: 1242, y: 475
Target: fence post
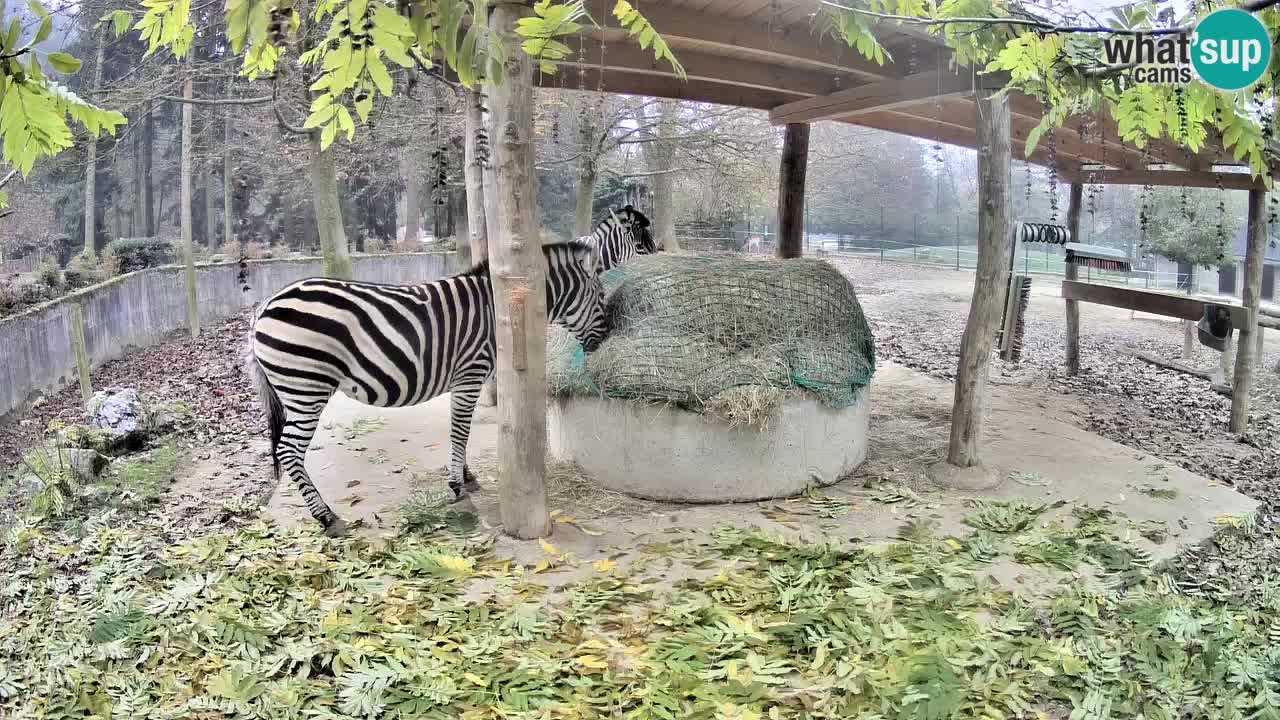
x: 81, y: 351
x: 957, y: 242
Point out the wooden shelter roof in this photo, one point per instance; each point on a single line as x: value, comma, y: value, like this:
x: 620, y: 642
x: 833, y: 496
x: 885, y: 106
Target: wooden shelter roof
x: 771, y: 55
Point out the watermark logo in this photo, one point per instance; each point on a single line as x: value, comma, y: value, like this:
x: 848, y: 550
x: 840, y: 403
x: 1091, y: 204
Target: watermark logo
x: 1229, y: 50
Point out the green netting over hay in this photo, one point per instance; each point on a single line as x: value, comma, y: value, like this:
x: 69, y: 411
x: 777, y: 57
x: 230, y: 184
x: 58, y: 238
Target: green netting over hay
x: 722, y: 335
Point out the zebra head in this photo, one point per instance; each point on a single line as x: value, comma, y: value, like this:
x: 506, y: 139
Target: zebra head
x: 637, y: 225
x: 575, y: 297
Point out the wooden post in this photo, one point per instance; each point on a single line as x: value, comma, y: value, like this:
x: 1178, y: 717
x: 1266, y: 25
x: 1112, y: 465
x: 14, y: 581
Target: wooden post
x: 1251, y: 297
x: 518, y: 273
x: 791, y: 176
x: 81, y: 351
x: 994, y: 151
x: 1073, y: 273
x: 188, y: 251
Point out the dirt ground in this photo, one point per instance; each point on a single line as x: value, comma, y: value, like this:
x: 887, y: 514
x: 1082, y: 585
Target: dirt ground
x: 1147, y: 443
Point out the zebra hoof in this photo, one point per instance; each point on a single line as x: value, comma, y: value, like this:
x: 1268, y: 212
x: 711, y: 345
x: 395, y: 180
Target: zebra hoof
x: 336, y: 529
x: 469, y: 481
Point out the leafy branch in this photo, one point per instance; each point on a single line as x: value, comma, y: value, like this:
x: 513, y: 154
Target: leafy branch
x: 1060, y: 64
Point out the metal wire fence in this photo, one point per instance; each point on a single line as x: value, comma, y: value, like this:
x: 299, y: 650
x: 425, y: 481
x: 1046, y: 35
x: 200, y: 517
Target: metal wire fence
x: 1030, y: 261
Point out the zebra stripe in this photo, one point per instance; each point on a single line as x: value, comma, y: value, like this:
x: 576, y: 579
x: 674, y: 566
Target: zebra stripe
x: 396, y: 346
x: 621, y: 236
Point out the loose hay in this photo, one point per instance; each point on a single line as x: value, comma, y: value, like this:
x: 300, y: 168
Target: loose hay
x: 724, y: 336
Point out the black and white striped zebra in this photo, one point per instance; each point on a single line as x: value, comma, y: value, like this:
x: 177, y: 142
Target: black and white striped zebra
x: 621, y: 236
x: 395, y: 346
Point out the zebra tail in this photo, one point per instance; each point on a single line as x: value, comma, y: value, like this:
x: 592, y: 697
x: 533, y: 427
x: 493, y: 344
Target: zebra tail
x: 270, y: 401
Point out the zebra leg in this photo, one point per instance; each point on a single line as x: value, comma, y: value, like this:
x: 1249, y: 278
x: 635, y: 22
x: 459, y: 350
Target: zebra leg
x: 461, y: 408
x: 299, y: 428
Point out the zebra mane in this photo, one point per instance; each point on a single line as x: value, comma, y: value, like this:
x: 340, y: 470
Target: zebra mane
x: 577, y: 247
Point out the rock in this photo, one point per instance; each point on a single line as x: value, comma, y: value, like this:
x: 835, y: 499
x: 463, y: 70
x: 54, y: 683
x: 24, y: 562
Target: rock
x: 164, y: 422
x: 96, y: 495
x: 117, y: 409
x: 104, y: 440
x: 30, y: 486
x: 86, y: 464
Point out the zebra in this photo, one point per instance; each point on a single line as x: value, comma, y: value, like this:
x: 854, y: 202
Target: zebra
x: 396, y: 346
x: 621, y: 236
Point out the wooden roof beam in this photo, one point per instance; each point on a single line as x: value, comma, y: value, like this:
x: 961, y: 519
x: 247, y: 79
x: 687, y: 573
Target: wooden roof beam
x: 951, y: 134
x: 1168, y: 178
x: 1160, y: 150
x: 638, y: 83
x: 875, y: 97
x: 954, y: 112
x: 626, y: 56
x: 686, y: 29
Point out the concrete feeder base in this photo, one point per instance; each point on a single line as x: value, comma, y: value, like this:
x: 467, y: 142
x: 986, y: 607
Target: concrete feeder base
x: 664, y: 453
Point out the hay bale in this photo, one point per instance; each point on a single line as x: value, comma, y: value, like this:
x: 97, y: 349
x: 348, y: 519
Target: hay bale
x: 724, y: 336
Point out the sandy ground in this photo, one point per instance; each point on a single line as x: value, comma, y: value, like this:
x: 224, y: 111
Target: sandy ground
x: 367, y: 461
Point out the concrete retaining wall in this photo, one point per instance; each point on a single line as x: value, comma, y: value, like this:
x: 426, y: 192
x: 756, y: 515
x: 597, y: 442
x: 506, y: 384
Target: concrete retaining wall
x: 664, y: 453
x: 142, y: 308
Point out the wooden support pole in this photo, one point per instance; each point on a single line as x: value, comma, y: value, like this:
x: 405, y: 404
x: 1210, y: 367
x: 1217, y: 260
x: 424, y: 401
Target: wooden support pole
x: 791, y: 176
x: 1073, y: 273
x: 1246, y: 348
x: 188, y: 250
x: 518, y: 273
x: 994, y: 154
x: 81, y: 351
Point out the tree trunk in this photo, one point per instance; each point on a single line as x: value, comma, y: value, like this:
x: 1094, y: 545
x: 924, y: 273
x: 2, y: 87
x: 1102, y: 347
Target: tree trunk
x: 475, y: 148
x: 412, y: 198
x: 137, y: 211
x: 1073, y: 273
x: 518, y: 273
x: 188, y: 250
x: 993, y: 126
x: 210, y: 207
x: 584, y: 197
x: 791, y: 177
x: 228, y: 234
x: 1246, y: 346
x: 660, y: 155
x: 324, y: 195
x: 1189, y: 326
x: 91, y: 163
x: 149, y: 219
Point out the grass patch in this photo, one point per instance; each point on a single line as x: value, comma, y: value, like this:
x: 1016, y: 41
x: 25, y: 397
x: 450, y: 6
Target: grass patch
x: 426, y: 512
x: 143, y: 480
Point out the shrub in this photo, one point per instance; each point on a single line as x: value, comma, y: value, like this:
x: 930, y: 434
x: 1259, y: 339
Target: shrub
x: 255, y: 251
x: 81, y: 272
x: 230, y: 249
x: 10, y: 295
x: 49, y: 275
x: 407, y: 246
x: 130, y: 254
